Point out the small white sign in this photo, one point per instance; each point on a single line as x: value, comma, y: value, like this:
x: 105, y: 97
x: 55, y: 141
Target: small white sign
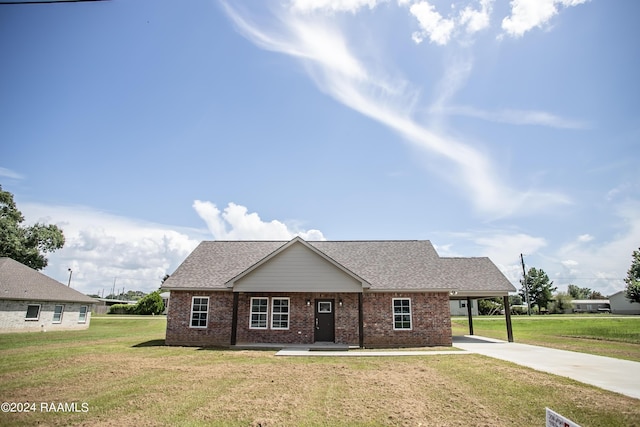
x: 556, y: 420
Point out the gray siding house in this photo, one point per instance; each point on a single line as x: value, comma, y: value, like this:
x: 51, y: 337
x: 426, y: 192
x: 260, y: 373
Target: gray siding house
x: 31, y: 301
x: 356, y: 293
x: 621, y: 305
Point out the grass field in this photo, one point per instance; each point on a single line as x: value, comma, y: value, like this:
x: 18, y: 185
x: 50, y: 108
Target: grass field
x: 612, y: 336
x: 125, y: 375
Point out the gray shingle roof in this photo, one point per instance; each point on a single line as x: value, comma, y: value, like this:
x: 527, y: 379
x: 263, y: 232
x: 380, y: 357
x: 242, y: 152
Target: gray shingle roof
x: 19, y: 282
x: 402, y: 265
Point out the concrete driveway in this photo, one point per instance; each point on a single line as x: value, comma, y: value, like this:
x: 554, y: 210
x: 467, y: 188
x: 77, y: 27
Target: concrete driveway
x: 620, y: 376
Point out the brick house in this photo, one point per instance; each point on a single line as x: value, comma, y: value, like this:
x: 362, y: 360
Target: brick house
x: 31, y: 301
x: 360, y: 293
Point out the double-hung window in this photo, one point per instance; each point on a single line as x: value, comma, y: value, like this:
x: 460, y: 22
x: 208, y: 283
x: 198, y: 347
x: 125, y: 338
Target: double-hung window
x: 57, y: 313
x: 280, y: 313
x: 82, y: 315
x: 259, y: 309
x: 199, y: 312
x: 401, y: 313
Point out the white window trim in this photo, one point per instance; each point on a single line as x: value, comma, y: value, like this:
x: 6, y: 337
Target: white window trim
x: 86, y: 311
x: 33, y: 318
x: 53, y: 319
x: 393, y: 313
x: 191, y: 312
x: 266, y: 320
x: 288, y: 313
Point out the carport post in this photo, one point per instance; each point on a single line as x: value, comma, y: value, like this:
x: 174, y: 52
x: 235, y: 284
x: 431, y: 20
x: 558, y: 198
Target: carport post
x: 507, y: 316
x: 470, y: 316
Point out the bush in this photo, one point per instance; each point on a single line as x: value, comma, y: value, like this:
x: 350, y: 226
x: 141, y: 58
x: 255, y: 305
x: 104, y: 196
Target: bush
x: 150, y: 304
x: 122, y: 309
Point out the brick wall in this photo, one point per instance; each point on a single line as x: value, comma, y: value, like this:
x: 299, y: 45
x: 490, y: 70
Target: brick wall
x: 218, y: 330
x: 13, y: 313
x: 430, y: 317
x: 301, y: 319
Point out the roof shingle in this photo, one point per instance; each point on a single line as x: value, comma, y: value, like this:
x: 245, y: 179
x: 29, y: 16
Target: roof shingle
x: 402, y: 265
x: 19, y: 282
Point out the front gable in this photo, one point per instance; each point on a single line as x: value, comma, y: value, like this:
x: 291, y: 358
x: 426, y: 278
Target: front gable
x: 297, y: 267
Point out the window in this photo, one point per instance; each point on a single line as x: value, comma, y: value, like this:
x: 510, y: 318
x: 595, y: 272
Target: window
x: 280, y: 313
x: 259, y: 309
x: 82, y: 316
x: 57, y: 313
x: 401, y: 313
x: 199, y: 312
x: 33, y: 312
x: 324, y: 307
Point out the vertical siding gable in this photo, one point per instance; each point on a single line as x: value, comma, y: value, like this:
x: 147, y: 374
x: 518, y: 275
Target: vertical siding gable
x: 297, y: 269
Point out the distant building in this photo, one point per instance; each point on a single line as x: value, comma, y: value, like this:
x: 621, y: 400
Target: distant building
x: 591, y: 306
x: 621, y: 305
x: 31, y: 301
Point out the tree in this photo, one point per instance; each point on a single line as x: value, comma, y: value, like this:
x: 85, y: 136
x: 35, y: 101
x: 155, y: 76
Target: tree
x: 632, y: 291
x: 578, y: 293
x: 150, y: 304
x: 561, y: 303
x: 539, y: 287
x: 26, y: 245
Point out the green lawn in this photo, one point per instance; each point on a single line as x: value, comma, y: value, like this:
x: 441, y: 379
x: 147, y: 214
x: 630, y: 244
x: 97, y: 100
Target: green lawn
x: 613, y: 336
x: 125, y: 375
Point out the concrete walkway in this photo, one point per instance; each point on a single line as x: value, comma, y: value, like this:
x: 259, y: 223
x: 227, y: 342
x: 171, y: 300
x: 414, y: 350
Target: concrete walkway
x: 620, y: 376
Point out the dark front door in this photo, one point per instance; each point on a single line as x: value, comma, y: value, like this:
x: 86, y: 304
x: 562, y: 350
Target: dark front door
x: 325, y: 328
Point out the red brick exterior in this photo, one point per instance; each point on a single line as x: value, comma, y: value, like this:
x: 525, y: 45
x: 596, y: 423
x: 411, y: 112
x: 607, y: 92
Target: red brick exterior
x: 218, y: 331
x: 430, y: 320
x: 431, y: 323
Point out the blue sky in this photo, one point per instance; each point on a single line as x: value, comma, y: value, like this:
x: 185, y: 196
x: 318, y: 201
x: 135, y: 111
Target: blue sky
x: 491, y: 128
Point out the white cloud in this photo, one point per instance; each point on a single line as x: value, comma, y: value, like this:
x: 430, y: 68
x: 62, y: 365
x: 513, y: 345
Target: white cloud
x: 102, y: 248
x: 432, y: 24
x: 476, y: 20
x: 236, y: 223
x: 352, y: 6
x: 529, y: 14
x: 604, y: 266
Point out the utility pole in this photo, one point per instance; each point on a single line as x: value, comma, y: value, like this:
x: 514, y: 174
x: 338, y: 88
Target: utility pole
x: 524, y: 284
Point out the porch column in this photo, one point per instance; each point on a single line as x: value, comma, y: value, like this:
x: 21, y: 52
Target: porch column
x: 360, y: 322
x: 470, y: 316
x: 507, y: 316
x: 234, y: 319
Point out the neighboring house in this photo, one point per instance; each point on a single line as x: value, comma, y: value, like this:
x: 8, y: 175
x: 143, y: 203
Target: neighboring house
x: 460, y: 307
x: 621, y: 305
x: 361, y: 293
x: 31, y: 301
x: 590, y: 306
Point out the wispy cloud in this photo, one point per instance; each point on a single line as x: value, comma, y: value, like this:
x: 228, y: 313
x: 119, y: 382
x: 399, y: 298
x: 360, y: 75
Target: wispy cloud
x: 514, y: 117
x: 8, y: 173
x: 324, y: 49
